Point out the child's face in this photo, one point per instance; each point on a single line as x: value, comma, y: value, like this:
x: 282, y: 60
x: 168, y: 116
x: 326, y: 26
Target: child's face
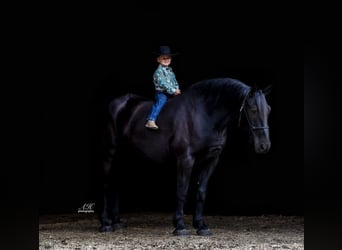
x: 164, y: 60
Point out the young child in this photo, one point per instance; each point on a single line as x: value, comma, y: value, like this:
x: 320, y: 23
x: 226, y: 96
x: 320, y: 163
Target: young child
x: 165, y: 84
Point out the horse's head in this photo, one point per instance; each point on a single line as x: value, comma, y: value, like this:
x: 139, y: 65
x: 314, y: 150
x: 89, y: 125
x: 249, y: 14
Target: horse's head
x: 257, y: 110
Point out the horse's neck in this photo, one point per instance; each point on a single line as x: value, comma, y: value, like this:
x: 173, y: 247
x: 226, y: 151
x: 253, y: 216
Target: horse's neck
x: 222, y: 114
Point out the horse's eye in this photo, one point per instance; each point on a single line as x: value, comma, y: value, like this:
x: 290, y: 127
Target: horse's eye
x: 254, y: 110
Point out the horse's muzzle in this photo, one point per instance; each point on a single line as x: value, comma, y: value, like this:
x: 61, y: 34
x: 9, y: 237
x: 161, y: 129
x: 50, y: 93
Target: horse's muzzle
x: 262, y: 148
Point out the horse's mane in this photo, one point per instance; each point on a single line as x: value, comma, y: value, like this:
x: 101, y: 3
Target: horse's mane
x: 225, y: 91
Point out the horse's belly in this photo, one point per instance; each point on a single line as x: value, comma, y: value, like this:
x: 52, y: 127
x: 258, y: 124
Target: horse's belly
x: 152, y: 151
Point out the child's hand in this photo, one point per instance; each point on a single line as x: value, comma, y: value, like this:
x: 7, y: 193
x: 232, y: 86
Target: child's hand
x: 177, y: 92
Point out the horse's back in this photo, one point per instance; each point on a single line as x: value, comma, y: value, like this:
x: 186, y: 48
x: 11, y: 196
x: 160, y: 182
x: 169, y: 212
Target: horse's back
x: 120, y: 102
x: 125, y: 103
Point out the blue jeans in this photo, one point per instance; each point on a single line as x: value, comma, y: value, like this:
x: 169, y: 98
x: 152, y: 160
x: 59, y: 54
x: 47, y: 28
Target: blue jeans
x: 160, y: 100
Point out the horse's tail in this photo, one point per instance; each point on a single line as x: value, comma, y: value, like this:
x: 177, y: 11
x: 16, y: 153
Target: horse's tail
x: 111, y: 132
x: 114, y: 109
x: 110, y: 152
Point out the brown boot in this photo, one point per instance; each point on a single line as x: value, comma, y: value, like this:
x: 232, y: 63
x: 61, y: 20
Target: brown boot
x: 151, y: 124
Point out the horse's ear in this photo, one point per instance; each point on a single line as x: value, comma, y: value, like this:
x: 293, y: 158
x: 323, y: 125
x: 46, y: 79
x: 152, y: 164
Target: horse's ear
x: 254, y: 88
x: 267, y: 90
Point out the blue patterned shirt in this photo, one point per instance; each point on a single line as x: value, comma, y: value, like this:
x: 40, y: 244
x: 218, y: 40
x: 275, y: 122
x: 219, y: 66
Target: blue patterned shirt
x: 165, y: 80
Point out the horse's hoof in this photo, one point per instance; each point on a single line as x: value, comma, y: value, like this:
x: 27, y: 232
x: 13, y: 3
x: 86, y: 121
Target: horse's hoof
x: 106, y: 229
x: 180, y: 232
x: 118, y: 226
x: 204, y: 232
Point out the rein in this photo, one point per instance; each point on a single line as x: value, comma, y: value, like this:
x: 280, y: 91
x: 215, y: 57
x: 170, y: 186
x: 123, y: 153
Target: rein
x: 251, y: 126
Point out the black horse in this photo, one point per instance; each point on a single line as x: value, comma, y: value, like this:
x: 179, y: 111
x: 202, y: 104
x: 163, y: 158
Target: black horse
x: 194, y: 127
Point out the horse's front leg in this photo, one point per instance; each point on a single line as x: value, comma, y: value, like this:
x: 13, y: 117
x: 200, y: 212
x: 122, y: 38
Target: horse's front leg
x: 184, y: 169
x: 198, y: 221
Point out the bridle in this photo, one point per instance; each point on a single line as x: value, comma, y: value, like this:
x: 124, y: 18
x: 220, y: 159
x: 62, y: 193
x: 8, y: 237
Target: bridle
x: 251, y: 126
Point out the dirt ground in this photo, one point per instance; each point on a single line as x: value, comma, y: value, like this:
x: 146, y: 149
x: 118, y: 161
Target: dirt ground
x: 154, y: 231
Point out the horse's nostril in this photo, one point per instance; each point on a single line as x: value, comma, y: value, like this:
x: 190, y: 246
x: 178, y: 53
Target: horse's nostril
x: 264, y: 147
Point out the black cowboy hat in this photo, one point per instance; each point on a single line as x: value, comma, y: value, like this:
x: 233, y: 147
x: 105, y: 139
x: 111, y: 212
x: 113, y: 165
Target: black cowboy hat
x: 165, y: 51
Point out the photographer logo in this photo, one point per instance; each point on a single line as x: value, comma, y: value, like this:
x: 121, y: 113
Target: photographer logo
x: 87, y: 208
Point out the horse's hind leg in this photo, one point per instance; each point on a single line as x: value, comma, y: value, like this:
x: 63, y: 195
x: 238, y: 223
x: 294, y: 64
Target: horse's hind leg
x: 109, y: 218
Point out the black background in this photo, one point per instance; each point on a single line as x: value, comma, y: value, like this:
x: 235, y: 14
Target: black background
x: 96, y: 53
x: 82, y: 52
